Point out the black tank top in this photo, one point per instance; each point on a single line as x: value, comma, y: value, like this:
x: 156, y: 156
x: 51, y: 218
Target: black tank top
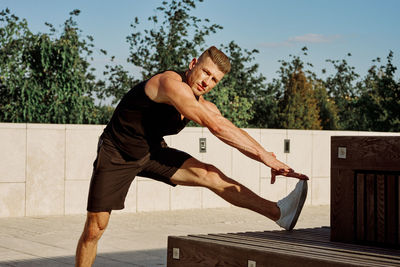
x: 138, y: 123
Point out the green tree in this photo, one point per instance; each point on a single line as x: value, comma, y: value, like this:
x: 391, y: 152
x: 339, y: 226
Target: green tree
x: 117, y: 82
x: 233, y: 107
x: 297, y: 104
x: 14, y: 35
x: 342, y: 88
x: 266, y: 109
x: 379, y: 102
x: 328, y: 113
x: 172, y: 43
x: 45, y: 78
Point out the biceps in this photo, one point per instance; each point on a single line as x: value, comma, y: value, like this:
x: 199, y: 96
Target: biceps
x: 200, y: 115
x: 184, y: 101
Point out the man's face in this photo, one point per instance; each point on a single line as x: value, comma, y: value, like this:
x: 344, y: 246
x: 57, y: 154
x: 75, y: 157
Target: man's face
x: 203, y: 75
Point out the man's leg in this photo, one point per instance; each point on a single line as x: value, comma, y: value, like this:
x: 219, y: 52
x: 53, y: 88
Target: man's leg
x: 196, y: 173
x: 96, y: 223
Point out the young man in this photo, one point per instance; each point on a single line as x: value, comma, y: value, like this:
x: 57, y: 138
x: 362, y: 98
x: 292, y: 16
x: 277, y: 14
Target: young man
x: 132, y: 144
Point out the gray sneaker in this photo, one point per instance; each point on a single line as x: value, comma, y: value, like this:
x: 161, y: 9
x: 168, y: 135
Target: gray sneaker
x: 291, y: 206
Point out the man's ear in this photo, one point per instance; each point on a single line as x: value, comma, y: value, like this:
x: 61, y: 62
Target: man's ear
x: 192, y: 63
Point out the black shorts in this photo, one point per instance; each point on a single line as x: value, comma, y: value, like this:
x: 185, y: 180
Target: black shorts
x: 113, y: 173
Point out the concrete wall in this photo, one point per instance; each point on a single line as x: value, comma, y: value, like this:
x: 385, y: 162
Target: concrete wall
x: 45, y: 169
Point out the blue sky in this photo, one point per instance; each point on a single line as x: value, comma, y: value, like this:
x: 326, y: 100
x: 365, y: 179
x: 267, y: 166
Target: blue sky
x: 330, y: 29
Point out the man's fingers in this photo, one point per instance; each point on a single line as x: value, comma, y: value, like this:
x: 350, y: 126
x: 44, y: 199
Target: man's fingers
x: 297, y: 175
x: 283, y: 169
x: 273, y: 176
x: 286, y: 170
x: 288, y: 173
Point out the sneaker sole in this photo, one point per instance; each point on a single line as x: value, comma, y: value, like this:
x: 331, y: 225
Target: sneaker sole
x: 303, y: 197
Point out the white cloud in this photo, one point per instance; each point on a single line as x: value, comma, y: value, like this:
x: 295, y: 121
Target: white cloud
x: 278, y: 44
x: 313, y: 38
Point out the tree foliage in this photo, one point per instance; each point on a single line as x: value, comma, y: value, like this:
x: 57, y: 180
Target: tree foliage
x: 299, y: 107
x: 328, y: 111
x: 173, y: 42
x: 236, y: 94
x: 45, y: 78
x: 117, y: 83
x: 266, y: 112
x: 341, y: 86
x: 379, y: 103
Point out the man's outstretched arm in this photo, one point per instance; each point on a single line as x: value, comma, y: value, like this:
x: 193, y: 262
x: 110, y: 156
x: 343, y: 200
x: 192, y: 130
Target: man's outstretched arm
x: 274, y: 171
x: 173, y: 91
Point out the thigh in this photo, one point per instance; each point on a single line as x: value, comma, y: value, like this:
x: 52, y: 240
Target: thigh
x: 163, y: 164
x: 192, y: 173
x: 196, y: 173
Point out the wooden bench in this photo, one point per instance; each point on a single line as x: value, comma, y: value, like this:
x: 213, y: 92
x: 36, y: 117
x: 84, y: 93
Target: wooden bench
x: 365, y: 211
x: 303, y: 247
x: 365, y: 189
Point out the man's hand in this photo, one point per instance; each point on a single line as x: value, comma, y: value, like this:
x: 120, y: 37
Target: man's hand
x: 292, y: 173
x: 279, y: 168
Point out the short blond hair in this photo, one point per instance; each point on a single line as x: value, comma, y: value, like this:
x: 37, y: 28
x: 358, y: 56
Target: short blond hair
x: 218, y: 57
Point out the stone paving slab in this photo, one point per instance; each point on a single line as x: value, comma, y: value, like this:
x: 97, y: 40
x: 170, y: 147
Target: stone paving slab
x: 136, y: 239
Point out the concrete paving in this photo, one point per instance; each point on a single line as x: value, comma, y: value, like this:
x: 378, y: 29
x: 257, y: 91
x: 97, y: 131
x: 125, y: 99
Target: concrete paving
x: 137, y: 239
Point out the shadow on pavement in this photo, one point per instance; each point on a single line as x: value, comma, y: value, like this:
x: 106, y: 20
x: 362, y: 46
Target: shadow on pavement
x: 145, y: 258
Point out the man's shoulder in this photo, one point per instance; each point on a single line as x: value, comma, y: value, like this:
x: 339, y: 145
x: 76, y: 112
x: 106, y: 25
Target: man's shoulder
x: 170, y: 74
x: 163, y: 86
x: 164, y: 80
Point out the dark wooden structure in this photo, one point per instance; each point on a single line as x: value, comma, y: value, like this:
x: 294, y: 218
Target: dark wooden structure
x: 304, y: 247
x: 365, y: 189
x: 365, y: 219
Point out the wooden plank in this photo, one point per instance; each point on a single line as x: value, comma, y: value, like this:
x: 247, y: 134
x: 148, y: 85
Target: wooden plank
x: 320, y: 234
x: 381, y: 153
x: 370, y: 208
x: 267, y: 249
x: 360, y: 207
x: 311, y: 251
x: 316, y: 248
x: 197, y: 252
x: 342, y: 205
x: 380, y: 208
x: 391, y: 212
x: 398, y: 209
x: 321, y: 237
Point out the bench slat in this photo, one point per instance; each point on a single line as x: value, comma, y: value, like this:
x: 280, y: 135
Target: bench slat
x: 305, y: 247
